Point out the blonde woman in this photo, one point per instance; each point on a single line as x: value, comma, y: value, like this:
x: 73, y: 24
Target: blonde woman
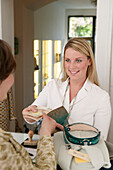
x: 79, y: 90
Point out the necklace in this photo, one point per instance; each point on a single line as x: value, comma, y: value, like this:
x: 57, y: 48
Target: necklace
x: 70, y: 105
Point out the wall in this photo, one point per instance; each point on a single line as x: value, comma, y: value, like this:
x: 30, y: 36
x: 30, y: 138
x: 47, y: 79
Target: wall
x: 7, y: 21
x: 24, y: 29
x: 28, y: 60
x: 49, y: 22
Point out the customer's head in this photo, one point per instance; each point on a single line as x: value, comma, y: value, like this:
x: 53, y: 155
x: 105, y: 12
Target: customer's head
x: 7, y: 67
x: 81, y: 46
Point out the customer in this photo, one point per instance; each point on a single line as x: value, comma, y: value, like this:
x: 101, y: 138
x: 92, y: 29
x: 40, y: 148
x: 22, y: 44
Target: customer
x: 79, y: 90
x: 12, y: 155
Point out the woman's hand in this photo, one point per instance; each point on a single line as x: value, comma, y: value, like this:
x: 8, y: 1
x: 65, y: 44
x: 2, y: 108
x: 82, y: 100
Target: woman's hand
x: 48, y: 126
x: 32, y: 108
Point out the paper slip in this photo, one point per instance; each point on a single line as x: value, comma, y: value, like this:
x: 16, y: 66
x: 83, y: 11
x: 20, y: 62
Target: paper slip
x: 78, y: 160
x: 80, y: 155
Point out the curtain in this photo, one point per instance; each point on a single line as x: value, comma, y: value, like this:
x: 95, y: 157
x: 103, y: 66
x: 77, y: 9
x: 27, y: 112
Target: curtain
x: 104, y: 50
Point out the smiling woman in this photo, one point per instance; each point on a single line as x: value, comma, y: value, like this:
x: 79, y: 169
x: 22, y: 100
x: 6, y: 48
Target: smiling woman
x: 78, y: 90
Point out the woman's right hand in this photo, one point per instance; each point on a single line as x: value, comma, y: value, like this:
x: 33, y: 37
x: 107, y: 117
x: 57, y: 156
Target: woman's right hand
x: 32, y: 108
x: 48, y: 126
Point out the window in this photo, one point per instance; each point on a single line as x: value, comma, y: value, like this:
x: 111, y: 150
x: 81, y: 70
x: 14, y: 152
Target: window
x: 47, y: 63
x: 82, y: 27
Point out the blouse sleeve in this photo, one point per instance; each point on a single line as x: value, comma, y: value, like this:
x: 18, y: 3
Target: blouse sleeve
x: 14, y: 156
x: 103, y: 116
x: 42, y: 99
x: 46, y: 157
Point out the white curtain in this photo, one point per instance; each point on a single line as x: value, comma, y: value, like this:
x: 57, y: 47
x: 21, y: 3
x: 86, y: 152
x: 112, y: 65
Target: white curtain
x: 104, y: 47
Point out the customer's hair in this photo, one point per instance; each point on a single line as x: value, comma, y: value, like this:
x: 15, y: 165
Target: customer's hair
x: 82, y: 46
x: 7, y: 61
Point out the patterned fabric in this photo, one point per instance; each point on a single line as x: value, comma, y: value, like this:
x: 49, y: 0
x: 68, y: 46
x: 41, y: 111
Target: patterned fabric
x: 13, y: 156
x: 46, y: 154
x: 4, y: 115
x: 11, y: 104
x: 7, y: 111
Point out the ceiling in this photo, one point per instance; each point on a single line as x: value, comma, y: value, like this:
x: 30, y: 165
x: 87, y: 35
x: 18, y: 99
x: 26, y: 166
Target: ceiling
x: 36, y: 4
x: 68, y: 4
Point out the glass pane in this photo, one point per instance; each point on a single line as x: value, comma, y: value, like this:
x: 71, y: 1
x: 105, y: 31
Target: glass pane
x: 57, y: 60
x: 46, y: 61
x: 80, y: 26
x: 36, y: 68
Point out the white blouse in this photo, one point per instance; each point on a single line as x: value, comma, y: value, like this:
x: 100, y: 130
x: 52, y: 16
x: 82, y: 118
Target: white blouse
x: 91, y: 104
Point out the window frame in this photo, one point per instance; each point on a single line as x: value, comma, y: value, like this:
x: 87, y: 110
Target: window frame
x: 92, y: 39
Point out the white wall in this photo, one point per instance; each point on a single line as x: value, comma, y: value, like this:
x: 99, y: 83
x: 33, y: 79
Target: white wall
x: 49, y: 22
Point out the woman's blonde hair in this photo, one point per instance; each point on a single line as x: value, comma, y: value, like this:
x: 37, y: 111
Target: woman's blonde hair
x: 83, y: 47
